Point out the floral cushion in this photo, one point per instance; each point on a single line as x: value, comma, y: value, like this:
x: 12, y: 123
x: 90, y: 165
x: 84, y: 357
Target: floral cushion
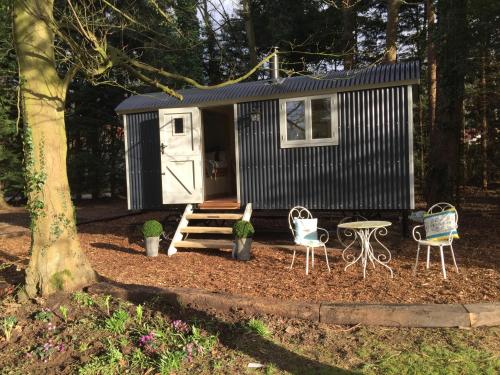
x: 440, y: 225
x: 305, y: 230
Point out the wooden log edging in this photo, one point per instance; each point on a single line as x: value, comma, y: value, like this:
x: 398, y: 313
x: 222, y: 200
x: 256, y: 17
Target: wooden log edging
x: 390, y: 315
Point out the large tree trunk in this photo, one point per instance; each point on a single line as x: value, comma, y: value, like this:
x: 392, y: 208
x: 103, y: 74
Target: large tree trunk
x: 348, y: 40
x: 484, y: 125
x: 57, y: 261
x: 3, y: 204
x: 391, y: 31
x: 442, y: 177
x: 250, y: 33
x: 431, y: 62
x: 212, y: 67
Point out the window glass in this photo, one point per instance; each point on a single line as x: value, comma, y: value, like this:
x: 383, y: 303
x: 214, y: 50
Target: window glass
x: 178, y: 125
x: 321, y: 121
x: 295, y: 120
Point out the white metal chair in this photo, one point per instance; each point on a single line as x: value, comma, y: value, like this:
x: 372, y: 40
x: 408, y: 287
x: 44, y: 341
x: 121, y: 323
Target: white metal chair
x: 418, y: 236
x: 299, y: 212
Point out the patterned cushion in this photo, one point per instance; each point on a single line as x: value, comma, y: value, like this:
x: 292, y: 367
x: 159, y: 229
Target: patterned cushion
x: 439, y: 225
x: 305, y: 230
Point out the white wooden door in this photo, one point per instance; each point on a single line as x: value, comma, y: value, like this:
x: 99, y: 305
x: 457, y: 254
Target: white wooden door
x: 181, y: 156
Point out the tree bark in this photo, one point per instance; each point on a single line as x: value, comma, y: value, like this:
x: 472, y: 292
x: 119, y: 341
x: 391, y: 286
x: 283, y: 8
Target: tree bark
x: 250, y: 32
x: 484, y: 125
x: 348, y: 40
x: 57, y: 261
x: 3, y: 204
x: 391, y: 31
x: 212, y: 65
x: 442, y: 177
x: 431, y: 62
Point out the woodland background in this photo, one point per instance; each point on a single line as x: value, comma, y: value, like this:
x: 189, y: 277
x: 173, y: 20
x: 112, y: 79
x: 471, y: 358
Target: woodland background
x: 212, y: 41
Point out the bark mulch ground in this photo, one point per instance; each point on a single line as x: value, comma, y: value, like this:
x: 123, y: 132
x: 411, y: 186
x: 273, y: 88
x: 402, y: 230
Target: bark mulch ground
x: 116, y: 253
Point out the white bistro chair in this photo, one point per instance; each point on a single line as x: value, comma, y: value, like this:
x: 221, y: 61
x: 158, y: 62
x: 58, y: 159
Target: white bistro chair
x: 439, y: 233
x: 305, y: 233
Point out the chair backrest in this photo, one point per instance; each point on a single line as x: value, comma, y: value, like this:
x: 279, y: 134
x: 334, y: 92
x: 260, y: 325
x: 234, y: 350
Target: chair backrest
x: 438, y: 227
x: 298, y: 212
x: 443, y: 206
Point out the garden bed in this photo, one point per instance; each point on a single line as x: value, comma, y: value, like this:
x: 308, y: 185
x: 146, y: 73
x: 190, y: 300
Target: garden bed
x: 98, y: 334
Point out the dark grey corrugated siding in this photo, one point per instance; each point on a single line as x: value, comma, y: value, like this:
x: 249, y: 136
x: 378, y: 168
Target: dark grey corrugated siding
x: 369, y: 169
x: 143, y: 157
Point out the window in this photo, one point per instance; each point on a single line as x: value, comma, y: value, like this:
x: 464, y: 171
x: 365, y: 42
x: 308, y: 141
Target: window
x: 178, y: 125
x: 309, y: 121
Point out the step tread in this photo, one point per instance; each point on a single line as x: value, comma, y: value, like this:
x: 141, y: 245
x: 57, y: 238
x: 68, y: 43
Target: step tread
x: 215, y: 230
x: 205, y: 244
x: 214, y: 216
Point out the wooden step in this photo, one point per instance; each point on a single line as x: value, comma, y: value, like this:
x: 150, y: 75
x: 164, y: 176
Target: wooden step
x: 214, y: 216
x: 205, y: 244
x: 214, y: 230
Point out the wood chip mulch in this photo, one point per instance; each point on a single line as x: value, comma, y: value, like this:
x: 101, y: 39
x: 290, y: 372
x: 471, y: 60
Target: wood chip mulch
x: 117, y: 255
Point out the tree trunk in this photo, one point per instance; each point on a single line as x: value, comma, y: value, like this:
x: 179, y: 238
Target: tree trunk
x: 348, y: 40
x: 442, y: 177
x: 3, y: 204
x: 391, y: 31
x: 57, y: 261
x: 484, y: 125
x: 431, y: 62
x: 250, y: 33
x: 212, y: 66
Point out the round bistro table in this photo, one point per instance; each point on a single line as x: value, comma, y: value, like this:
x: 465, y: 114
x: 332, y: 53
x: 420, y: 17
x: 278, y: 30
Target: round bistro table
x: 364, y: 231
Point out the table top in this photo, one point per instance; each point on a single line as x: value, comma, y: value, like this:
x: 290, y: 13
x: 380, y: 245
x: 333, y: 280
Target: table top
x: 366, y: 224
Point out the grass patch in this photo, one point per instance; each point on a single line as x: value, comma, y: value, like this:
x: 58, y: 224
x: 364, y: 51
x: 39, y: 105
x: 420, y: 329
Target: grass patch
x: 436, y: 360
x: 259, y: 327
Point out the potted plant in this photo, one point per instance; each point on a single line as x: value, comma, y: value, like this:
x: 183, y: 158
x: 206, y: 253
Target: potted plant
x: 152, y: 231
x: 243, y: 232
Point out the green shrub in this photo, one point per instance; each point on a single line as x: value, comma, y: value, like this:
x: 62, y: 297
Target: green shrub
x: 152, y: 228
x: 243, y: 229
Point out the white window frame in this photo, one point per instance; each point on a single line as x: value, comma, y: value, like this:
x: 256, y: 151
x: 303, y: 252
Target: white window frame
x: 309, y: 141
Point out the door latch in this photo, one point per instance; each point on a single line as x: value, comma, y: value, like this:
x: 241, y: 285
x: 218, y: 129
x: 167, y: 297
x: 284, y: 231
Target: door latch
x: 162, y: 148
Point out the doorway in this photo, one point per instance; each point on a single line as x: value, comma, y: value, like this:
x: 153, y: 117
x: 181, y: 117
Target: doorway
x: 219, y: 156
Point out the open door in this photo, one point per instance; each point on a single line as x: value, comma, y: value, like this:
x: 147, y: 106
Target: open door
x: 181, y: 156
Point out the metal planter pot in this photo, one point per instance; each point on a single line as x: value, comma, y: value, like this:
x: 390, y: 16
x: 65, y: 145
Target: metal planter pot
x: 243, y: 247
x: 152, y: 245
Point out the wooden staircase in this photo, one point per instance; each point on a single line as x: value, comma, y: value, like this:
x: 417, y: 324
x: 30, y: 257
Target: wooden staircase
x: 180, y: 239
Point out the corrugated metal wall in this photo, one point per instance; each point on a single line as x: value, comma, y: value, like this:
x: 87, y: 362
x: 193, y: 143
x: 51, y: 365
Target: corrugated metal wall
x: 369, y: 169
x: 143, y: 160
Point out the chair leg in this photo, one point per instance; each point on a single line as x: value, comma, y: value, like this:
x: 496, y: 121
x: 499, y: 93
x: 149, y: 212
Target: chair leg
x: 307, y: 261
x: 453, y: 256
x: 312, y: 253
x: 326, y: 257
x: 428, y: 256
x: 416, y: 261
x: 442, y: 261
x: 293, y: 259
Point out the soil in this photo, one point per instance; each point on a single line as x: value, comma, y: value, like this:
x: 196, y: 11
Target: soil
x: 116, y: 253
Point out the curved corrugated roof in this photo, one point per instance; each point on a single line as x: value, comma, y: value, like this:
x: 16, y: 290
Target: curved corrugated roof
x: 378, y: 75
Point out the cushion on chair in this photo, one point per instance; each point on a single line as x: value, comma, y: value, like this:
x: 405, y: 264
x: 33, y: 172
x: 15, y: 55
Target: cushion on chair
x: 305, y: 230
x: 439, y: 225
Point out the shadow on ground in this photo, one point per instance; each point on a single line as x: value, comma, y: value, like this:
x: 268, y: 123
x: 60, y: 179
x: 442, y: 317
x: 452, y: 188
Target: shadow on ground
x: 232, y: 336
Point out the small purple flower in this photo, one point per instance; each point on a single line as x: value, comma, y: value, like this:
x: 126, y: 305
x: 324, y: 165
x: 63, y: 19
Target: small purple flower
x: 60, y: 347
x: 180, y: 326
x: 146, y: 339
x: 189, y: 348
